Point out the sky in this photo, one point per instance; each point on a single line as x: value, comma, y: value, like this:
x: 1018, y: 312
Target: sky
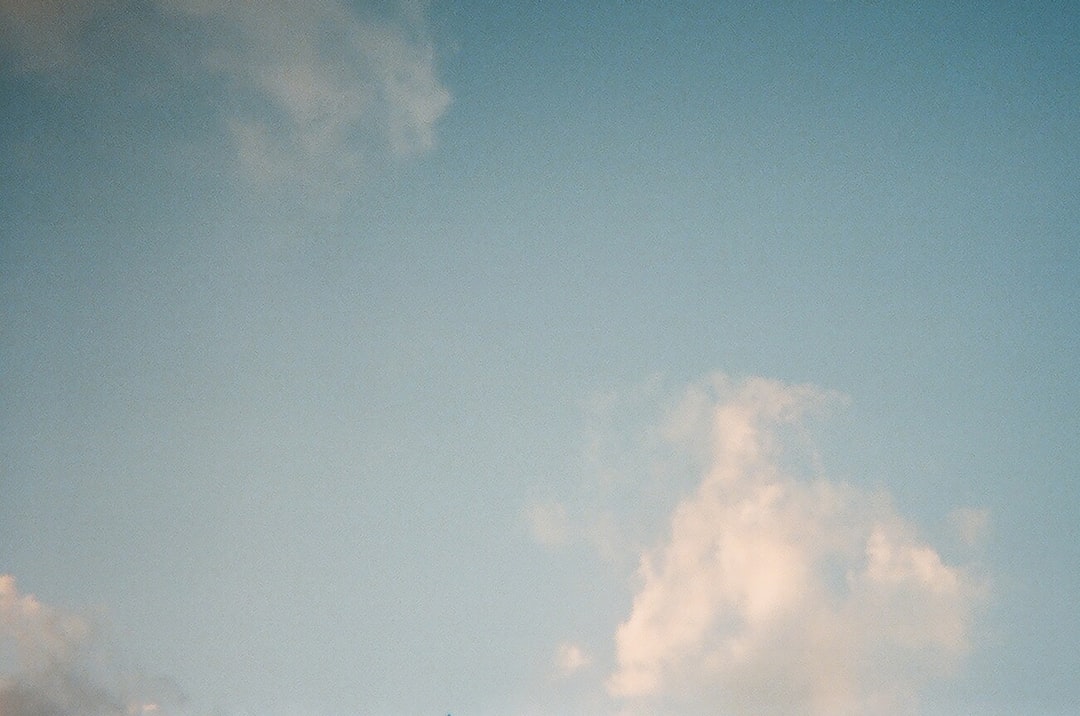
x: 539, y: 358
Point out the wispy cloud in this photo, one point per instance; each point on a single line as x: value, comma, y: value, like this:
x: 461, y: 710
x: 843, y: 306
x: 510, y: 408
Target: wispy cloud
x: 774, y: 593
x: 571, y: 658
x: 548, y: 523
x: 43, y: 35
x: 312, y: 94
x: 58, y: 668
x: 324, y: 90
x: 971, y: 524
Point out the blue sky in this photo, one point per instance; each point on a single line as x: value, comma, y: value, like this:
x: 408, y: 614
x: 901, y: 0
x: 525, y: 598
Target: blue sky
x: 403, y: 358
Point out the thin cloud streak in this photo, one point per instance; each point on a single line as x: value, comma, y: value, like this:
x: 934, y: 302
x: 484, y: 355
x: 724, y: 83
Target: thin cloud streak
x: 774, y: 594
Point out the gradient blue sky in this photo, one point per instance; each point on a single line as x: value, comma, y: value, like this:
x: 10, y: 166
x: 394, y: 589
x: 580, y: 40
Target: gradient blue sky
x: 342, y: 343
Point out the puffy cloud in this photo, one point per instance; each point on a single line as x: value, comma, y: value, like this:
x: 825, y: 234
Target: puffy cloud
x: 778, y: 594
x: 57, y: 670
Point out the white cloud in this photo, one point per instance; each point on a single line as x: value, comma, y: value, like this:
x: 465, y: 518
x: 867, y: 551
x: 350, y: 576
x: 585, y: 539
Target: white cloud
x: 777, y: 594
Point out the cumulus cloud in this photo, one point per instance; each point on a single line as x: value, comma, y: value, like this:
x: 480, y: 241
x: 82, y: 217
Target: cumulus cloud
x: 312, y: 93
x: 774, y: 593
x: 57, y: 669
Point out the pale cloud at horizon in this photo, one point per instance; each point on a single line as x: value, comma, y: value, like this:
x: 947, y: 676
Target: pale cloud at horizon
x: 60, y: 667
